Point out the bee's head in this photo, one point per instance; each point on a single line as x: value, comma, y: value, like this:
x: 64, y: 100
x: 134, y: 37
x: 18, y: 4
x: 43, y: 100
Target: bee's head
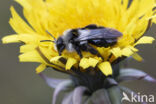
x: 60, y: 46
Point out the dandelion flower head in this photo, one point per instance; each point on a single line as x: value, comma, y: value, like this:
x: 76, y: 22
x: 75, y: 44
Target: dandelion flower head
x: 56, y: 16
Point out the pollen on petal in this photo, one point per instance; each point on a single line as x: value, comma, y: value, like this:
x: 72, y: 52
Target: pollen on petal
x: 88, y: 62
x: 70, y: 63
x: 106, y: 68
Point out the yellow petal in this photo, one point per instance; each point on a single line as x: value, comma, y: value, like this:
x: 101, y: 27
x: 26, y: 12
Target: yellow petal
x: 132, y: 48
x: 48, y: 52
x: 24, y: 3
x: 31, y: 56
x: 56, y: 61
x: 18, y: 24
x: 27, y: 48
x: 105, y: 52
x: 116, y: 52
x: 127, y: 52
x: 86, y: 63
x: 106, y: 68
x: 30, y: 38
x: 145, y: 40
x: 40, y: 68
x: 93, y: 62
x: 125, y: 3
x: 10, y: 39
x: 70, y: 63
x: 137, y: 57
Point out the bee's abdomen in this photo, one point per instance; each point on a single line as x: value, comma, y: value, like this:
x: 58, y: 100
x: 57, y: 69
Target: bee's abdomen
x: 103, y: 42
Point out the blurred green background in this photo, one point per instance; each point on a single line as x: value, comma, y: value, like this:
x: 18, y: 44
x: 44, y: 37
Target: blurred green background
x: 19, y: 83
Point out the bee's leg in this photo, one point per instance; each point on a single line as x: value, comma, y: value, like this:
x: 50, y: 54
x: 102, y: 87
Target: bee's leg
x: 93, y: 51
x: 61, y: 50
x: 78, y: 50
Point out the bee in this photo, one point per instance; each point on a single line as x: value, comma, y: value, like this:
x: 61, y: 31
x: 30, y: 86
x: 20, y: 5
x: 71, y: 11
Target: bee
x: 83, y: 39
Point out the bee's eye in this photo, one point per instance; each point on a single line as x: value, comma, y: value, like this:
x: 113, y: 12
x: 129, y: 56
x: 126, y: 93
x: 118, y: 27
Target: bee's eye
x: 59, y: 40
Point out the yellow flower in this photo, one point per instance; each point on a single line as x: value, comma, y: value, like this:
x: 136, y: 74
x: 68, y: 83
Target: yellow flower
x: 56, y: 16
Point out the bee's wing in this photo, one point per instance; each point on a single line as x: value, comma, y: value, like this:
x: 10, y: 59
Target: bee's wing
x: 104, y: 33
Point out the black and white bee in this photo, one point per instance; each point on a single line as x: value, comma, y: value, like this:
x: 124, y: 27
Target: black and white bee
x: 83, y: 39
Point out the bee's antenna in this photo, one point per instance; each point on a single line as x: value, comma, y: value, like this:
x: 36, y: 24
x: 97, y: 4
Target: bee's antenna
x: 47, y: 41
x: 51, y: 35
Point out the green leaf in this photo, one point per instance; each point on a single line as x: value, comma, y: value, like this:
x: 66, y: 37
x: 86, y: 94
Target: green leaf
x: 115, y: 95
x: 134, y: 74
x: 63, y: 86
x: 78, y: 94
x: 99, y: 97
x: 51, y: 82
x: 68, y: 98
